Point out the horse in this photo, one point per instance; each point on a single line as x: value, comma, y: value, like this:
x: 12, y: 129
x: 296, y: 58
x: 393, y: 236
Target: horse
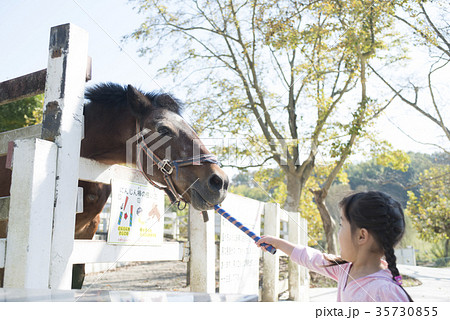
x: 116, y: 114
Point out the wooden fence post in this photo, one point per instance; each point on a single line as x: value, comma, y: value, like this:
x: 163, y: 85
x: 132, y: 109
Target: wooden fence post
x: 28, y: 244
x: 303, y: 272
x: 294, y: 232
x: 62, y: 124
x: 271, y: 262
x: 202, y: 252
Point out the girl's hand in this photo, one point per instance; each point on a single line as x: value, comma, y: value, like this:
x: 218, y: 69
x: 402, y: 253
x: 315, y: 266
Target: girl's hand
x: 277, y: 243
x: 268, y: 240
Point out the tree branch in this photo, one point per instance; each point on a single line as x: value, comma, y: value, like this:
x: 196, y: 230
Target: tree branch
x: 412, y: 104
x: 439, y: 34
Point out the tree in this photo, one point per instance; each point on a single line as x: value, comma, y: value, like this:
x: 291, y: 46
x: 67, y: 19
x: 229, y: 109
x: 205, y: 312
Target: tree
x: 432, y: 32
x: 283, y: 65
x: 21, y: 113
x: 363, y: 39
x: 430, y: 209
x: 389, y: 174
x: 244, y: 185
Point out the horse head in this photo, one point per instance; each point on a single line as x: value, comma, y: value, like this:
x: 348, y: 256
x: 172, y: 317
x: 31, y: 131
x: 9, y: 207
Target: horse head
x: 170, y: 153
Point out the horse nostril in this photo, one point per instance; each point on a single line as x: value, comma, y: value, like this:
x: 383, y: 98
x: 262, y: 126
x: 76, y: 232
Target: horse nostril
x: 216, y: 182
x: 225, y: 183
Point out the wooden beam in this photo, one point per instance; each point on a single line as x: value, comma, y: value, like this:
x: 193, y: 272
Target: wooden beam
x: 30, y: 85
x: 99, y: 251
x: 93, y: 171
x: 23, y: 87
x: 21, y: 133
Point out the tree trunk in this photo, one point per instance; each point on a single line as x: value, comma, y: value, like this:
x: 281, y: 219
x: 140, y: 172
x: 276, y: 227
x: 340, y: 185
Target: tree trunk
x: 329, y: 225
x: 447, y: 247
x: 294, y: 191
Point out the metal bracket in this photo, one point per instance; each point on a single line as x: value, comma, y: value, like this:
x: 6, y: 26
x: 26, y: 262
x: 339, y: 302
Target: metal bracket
x: 163, y: 164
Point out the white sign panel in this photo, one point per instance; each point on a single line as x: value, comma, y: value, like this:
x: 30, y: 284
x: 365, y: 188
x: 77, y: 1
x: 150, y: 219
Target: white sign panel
x: 239, y: 256
x: 136, y: 214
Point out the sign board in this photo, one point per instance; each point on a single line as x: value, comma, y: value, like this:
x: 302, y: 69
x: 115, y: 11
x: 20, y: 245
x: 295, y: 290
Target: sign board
x: 239, y: 256
x: 136, y: 214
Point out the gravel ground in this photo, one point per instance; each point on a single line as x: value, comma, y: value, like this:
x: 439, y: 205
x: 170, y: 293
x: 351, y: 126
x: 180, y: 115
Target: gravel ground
x: 153, y: 276
x: 142, y: 276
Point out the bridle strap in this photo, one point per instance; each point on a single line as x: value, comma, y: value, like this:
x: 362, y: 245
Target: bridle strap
x: 166, y: 167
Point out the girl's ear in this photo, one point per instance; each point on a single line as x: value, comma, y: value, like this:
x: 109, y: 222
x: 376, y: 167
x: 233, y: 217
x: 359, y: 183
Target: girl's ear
x: 363, y: 236
x: 138, y: 103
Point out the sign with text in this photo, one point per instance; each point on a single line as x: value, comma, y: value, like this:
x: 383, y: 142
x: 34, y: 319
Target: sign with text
x: 136, y: 214
x: 239, y: 256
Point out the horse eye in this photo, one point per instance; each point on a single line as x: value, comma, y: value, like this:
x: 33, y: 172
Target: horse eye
x: 165, y: 131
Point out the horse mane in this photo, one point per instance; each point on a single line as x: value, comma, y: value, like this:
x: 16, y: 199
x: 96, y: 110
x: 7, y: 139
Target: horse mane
x: 114, y: 94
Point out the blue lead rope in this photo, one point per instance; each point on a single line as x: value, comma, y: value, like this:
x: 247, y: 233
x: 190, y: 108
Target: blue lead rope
x: 244, y: 229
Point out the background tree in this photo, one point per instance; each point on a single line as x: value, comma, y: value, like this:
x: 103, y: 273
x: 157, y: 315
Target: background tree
x: 426, y: 23
x: 21, y: 113
x: 430, y: 209
x: 283, y: 65
x: 362, y: 37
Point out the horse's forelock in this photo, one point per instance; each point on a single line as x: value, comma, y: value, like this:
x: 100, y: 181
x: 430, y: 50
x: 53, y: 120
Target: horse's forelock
x: 113, y: 93
x: 165, y: 101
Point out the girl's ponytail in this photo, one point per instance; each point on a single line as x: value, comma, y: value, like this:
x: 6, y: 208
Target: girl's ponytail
x: 394, y: 231
x: 391, y: 259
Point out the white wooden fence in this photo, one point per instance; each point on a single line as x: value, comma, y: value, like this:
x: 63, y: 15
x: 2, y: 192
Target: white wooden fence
x: 275, y: 219
x: 39, y: 249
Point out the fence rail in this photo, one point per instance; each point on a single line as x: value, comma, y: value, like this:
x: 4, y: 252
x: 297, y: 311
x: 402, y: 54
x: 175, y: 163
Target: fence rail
x: 23, y: 87
x: 98, y: 251
x: 33, y: 131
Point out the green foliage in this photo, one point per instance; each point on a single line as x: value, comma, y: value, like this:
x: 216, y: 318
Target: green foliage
x: 379, y: 173
x: 252, y: 193
x: 271, y: 182
x: 21, y: 113
x: 430, y: 209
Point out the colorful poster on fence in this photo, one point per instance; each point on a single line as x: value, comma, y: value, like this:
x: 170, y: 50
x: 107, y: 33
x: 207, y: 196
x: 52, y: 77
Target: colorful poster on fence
x: 136, y: 214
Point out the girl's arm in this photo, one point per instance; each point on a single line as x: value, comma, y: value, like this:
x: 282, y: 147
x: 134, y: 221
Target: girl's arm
x: 305, y: 256
x: 277, y: 243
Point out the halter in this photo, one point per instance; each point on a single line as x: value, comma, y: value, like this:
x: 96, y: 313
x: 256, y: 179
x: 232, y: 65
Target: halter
x: 166, y: 167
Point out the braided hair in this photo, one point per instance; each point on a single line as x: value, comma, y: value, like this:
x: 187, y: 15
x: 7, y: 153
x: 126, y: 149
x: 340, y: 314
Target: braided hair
x: 383, y: 217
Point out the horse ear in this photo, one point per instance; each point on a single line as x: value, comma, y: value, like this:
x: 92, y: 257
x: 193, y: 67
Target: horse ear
x: 138, y: 103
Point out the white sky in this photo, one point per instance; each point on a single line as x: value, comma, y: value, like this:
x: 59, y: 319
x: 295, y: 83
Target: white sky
x: 24, y: 33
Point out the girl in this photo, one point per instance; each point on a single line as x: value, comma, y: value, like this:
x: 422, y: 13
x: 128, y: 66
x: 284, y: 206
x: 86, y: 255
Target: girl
x: 371, y: 224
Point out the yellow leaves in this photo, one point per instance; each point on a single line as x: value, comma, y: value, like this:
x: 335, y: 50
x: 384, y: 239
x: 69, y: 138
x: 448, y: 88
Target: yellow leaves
x: 397, y: 160
x: 384, y: 155
x: 430, y: 209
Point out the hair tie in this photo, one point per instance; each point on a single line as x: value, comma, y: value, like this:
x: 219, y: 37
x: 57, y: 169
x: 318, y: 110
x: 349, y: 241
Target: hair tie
x: 398, y: 279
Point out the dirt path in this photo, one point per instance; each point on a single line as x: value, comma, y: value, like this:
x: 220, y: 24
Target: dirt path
x: 145, y: 276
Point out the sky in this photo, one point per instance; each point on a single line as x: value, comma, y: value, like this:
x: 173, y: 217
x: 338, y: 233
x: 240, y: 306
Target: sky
x: 24, y: 33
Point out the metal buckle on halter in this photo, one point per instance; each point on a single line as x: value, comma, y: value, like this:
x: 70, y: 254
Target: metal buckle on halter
x: 165, y: 166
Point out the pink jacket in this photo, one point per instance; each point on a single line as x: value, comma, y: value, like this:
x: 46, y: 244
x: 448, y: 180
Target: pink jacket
x: 376, y: 287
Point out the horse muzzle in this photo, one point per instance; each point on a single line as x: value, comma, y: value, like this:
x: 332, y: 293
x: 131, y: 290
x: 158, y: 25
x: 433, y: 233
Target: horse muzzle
x: 205, y: 195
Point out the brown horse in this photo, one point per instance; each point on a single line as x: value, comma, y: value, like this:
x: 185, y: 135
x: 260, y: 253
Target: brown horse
x: 116, y: 114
